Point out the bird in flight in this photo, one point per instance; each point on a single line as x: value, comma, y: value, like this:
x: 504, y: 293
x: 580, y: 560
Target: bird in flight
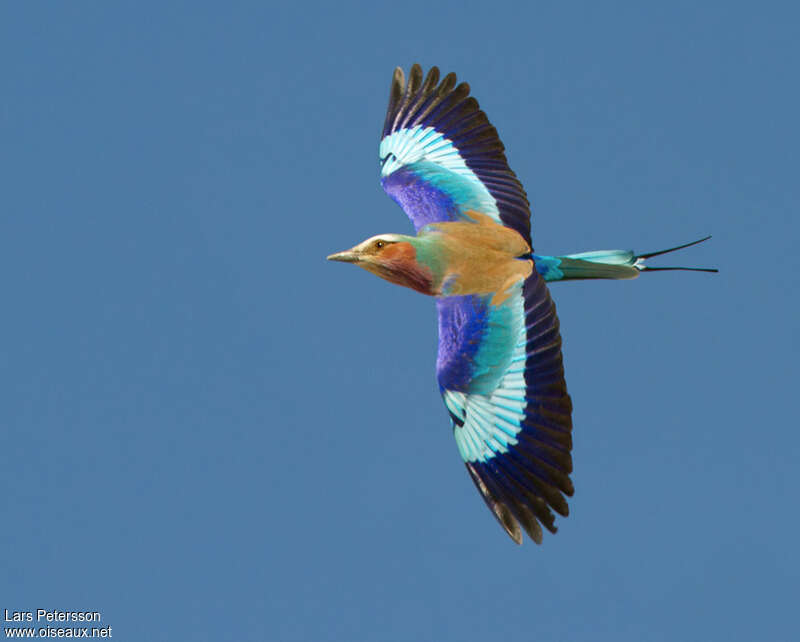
x: 499, y: 364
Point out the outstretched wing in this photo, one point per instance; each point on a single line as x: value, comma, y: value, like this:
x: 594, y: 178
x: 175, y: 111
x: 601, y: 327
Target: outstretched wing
x: 440, y: 156
x: 502, y: 379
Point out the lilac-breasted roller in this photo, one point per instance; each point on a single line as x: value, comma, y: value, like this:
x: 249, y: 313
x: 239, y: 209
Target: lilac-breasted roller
x: 499, y: 365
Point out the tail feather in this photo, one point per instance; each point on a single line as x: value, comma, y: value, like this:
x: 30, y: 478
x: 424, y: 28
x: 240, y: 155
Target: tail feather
x: 646, y: 268
x: 606, y: 264
x: 650, y: 255
x: 667, y: 269
x: 572, y: 269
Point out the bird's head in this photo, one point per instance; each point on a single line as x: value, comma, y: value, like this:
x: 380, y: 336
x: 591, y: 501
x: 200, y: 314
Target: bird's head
x: 392, y: 257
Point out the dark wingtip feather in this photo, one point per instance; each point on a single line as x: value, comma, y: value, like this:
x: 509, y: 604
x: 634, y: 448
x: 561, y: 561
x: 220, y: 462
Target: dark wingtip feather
x: 431, y: 80
x: 396, y: 90
x: 500, y: 511
x: 414, y: 78
x: 447, y: 84
x: 531, y: 526
x: 510, y: 524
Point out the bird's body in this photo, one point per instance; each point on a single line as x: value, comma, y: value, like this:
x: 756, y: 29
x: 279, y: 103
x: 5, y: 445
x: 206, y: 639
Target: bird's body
x: 499, y: 364
x: 450, y: 258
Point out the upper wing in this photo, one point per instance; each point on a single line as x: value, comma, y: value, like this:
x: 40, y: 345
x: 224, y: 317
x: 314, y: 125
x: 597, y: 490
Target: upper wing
x: 501, y: 375
x: 440, y: 156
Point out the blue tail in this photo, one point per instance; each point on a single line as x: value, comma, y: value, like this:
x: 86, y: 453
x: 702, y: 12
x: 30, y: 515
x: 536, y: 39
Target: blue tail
x: 605, y: 264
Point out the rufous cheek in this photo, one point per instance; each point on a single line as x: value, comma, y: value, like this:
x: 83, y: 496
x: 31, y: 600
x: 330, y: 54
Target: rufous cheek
x: 400, y: 253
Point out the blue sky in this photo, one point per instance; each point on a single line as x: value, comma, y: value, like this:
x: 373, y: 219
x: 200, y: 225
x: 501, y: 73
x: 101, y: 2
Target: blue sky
x: 209, y: 433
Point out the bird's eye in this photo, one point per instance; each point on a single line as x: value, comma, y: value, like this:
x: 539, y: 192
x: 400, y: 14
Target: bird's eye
x: 379, y: 245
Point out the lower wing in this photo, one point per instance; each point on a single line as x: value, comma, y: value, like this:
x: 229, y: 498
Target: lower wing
x: 502, y: 379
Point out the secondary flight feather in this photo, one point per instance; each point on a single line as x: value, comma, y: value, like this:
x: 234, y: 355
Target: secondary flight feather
x: 499, y: 364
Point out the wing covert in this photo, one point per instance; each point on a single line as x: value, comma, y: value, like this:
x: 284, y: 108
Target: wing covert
x: 440, y: 155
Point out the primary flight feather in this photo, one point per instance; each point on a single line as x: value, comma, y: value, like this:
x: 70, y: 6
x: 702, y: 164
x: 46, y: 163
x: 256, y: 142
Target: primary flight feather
x: 499, y: 364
